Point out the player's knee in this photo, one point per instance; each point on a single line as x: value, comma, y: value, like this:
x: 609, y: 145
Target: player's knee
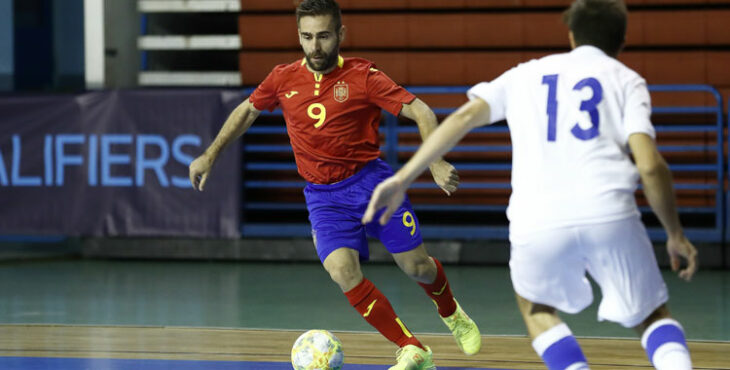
x: 345, y: 276
x: 416, y: 268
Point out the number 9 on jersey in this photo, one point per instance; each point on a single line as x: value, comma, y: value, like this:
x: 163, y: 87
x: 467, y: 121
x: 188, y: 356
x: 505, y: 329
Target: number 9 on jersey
x: 317, y: 112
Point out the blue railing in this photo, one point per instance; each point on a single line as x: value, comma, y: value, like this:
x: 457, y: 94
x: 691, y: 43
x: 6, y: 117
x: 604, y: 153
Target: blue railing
x: 392, y: 129
x: 717, y: 231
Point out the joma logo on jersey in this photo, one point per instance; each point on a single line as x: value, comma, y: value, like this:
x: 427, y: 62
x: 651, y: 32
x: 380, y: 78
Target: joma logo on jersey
x: 342, y: 91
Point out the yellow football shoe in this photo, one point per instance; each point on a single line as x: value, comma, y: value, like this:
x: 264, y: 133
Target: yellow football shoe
x: 413, y: 357
x: 465, y: 330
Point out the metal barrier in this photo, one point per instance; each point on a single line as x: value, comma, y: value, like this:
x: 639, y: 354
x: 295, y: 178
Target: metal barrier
x: 392, y: 147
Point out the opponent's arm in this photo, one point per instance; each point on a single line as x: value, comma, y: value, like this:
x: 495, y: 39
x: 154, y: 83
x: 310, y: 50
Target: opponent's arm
x: 237, y: 123
x: 444, y: 174
x: 390, y: 193
x: 657, y: 180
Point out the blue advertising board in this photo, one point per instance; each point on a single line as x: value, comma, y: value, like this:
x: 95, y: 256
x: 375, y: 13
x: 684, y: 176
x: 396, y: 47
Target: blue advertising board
x: 114, y: 163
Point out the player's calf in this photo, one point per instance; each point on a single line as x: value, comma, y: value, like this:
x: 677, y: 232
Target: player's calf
x: 439, y: 290
x: 666, y: 346
x: 559, y: 349
x: 375, y: 308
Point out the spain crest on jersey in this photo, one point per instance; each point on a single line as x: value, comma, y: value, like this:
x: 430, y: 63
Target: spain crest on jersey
x: 342, y: 91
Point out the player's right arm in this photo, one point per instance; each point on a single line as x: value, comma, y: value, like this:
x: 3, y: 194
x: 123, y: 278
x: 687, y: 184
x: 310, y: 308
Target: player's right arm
x: 657, y: 181
x: 487, y: 104
x: 391, y: 192
x: 236, y: 125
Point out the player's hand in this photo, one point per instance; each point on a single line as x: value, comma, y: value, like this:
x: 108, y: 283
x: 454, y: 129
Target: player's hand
x: 678, y: 247
x: 389, y: 193
x: 445, y: 176
x: 199, y: 170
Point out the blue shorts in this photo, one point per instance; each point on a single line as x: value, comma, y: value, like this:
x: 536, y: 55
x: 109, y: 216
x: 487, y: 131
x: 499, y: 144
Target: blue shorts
x: 335, y: 211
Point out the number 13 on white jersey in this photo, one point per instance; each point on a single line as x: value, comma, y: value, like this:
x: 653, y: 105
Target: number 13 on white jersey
x: 590, y: 106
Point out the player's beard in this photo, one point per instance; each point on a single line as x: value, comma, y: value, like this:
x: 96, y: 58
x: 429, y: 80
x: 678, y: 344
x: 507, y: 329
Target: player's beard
x: 329, y: 59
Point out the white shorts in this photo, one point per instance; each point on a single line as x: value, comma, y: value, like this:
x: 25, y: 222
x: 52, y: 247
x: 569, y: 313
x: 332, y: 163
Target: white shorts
x: 548, y: 267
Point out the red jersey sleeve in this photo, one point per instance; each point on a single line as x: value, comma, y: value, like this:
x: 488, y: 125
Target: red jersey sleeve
x: 265, y: 96
x: 385, y: 93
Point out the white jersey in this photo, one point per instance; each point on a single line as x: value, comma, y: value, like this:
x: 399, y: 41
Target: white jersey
x: 570, y: 116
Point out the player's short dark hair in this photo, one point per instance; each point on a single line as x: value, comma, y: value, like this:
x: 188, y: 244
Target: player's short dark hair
x: 601, y: 23
x: 320, y: 7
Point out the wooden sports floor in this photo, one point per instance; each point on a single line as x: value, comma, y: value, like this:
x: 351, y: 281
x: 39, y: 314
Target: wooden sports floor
x: 95, y: 347
x: 119, y: 315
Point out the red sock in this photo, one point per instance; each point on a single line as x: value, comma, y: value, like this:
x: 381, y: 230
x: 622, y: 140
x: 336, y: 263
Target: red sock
x: 440, y: 291
x: 378, y: 312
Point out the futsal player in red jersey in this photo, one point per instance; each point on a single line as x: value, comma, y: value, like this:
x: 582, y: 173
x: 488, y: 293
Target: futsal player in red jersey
x: 332, y: 107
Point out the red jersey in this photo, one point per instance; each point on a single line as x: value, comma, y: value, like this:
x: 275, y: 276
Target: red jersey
x: 332, y: 119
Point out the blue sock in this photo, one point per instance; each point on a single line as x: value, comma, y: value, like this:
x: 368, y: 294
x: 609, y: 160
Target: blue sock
x: 665, y: 345
x: 559, y: 349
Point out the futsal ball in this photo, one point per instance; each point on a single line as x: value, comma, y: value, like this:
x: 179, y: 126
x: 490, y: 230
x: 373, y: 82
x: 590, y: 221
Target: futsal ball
x: 317, y: 350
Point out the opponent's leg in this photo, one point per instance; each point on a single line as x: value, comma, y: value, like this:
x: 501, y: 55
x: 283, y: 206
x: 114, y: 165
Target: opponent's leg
x: 663, y: 339
x: 429, y: 274
x: 551, y: 338
x: 344, y: 269
x: 622, y: 262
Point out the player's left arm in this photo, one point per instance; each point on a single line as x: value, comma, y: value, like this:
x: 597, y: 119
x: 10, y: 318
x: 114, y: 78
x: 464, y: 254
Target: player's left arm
x: 444, y: 174
x: 390, y: 193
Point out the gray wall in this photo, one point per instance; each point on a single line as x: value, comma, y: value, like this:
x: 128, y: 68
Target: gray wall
x: 121, y: 28
x: 6, y: 45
